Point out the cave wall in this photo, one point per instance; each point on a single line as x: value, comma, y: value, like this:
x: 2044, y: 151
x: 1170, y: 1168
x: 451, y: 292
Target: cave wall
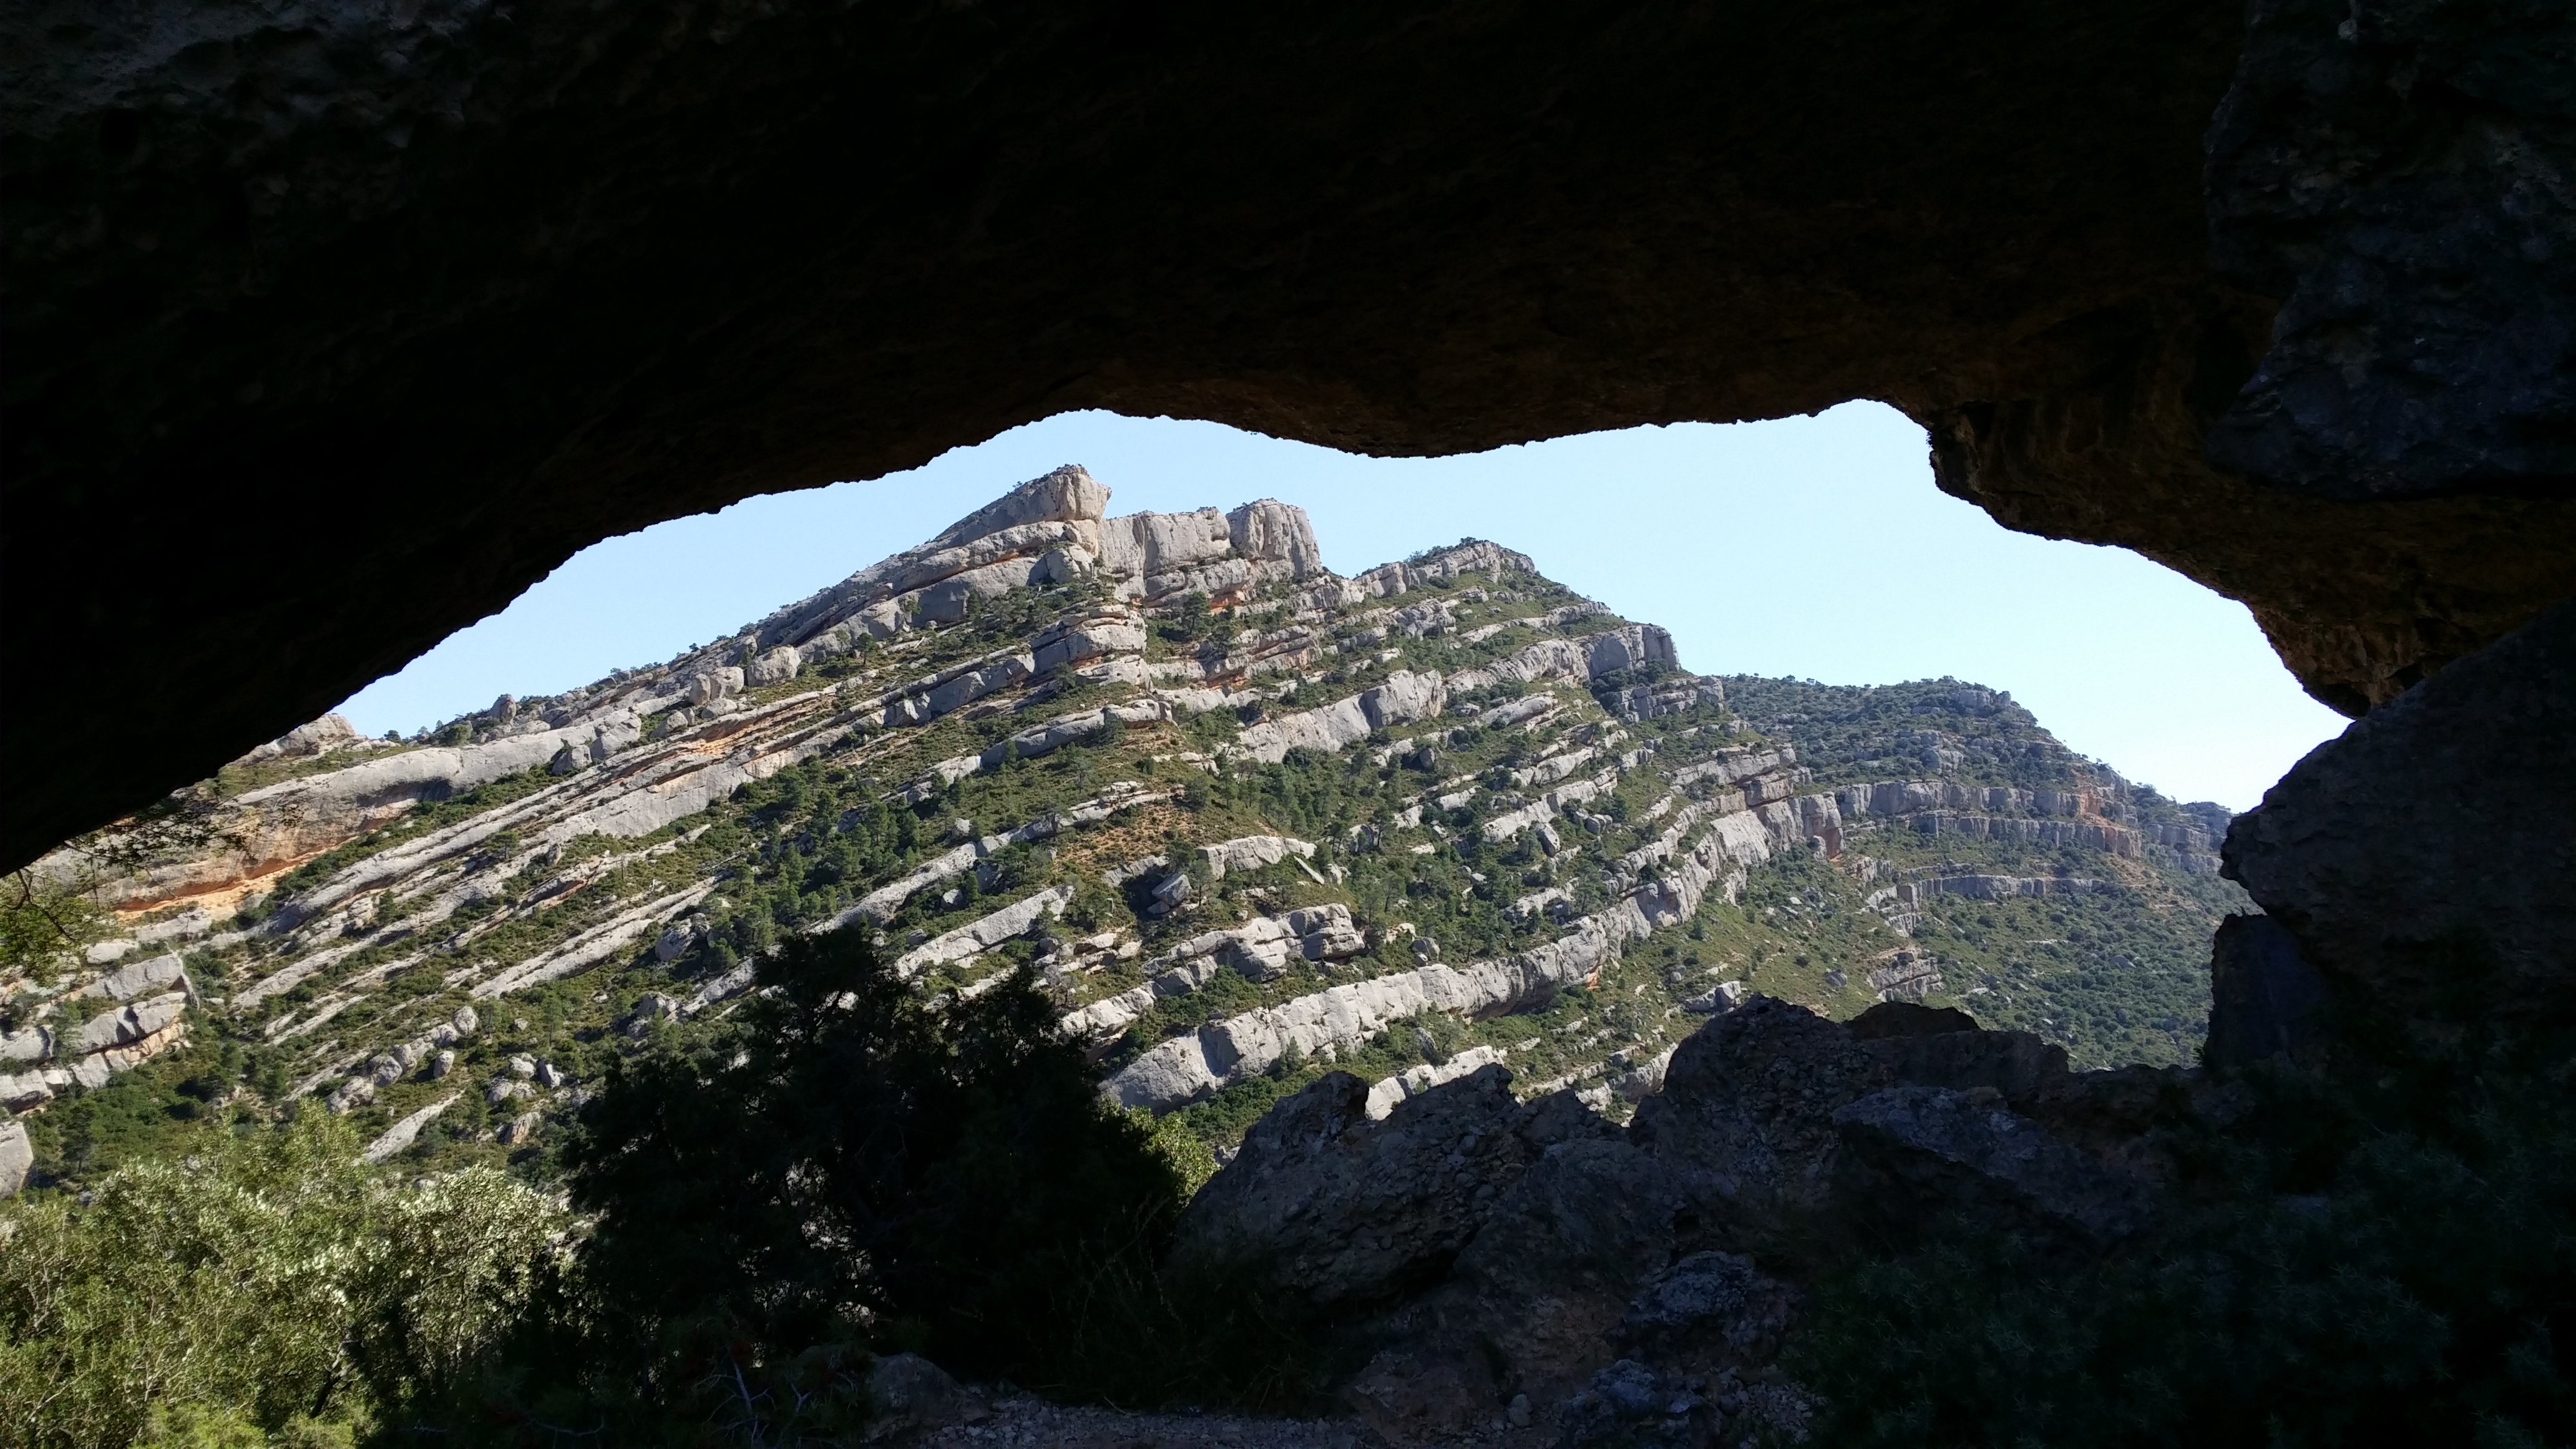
x: 331, y: 326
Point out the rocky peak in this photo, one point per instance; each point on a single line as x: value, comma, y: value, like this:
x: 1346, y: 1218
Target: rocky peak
x: 1252, y: 821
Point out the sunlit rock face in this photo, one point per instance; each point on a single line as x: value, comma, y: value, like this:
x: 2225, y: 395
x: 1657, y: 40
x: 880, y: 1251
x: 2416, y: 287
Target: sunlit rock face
x: 332, y: 327
x: 1242, y: 817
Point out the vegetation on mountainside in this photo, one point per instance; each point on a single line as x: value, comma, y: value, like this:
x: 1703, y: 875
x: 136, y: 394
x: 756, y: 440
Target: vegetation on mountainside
x: 843, y: 1169
x: 772, y: 1187
x: 43, y: 928
x: 2116, y: 975
x: 847, y: 1167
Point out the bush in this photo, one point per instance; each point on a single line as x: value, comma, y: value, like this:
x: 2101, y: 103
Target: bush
x: 43, y: 928
x: 847, y: 1169
x: 263, y: 1285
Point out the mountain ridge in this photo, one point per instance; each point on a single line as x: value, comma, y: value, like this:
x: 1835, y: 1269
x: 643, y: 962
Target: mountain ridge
x: 1247, y: 818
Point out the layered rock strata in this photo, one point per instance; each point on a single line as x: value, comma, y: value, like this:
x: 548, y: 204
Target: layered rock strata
x: 1221, y: 803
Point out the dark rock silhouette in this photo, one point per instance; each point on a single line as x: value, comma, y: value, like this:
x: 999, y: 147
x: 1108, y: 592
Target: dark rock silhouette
x: 330, y: 328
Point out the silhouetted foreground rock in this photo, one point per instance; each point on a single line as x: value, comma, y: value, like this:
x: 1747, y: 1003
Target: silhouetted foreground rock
x: 1635, y: 1288
x: 332, y: 327
x: 2425, y: 853
x: 1496, y: 1265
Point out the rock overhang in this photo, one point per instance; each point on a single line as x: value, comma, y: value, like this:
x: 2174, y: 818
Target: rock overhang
x: 337, y: 343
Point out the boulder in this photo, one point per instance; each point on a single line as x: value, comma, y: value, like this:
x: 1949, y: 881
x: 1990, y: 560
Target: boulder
x: 1260, y: 956
x: 1561, y: 1116
x: 1404, y: 698
x: 1564, y: 1251
x: 2263, y: 995
x: 1522, y: 1317
x: 2420, y: 858
x: 133, y: 1023
x: 1724, y: 996
x: 1326, y: 932
x: 1250, y: 852
x: 23, y: 1090
x: 138, y: 978
x: 775, y: 667
x: 1916, y: 1155
x: 651, y: 1008
x: 911, y: 1395
x: 1744, y: 1119
x: 1891, y: 1019
x: 1332, y: 1211
x: 1631, y: 1406
x: 17, y: 1157
x: 1709, y: 1311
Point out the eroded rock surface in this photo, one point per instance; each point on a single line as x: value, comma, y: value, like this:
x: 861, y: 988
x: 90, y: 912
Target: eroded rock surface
x: 2378, y: 856
x: 1337, y: 1210
x: 1636, y: 1288
x: 334, y: 326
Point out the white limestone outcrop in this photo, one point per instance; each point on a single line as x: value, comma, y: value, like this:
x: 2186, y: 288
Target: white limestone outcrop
x: 402, y: 1134
x: 979, y: 936
x: 1251, y: 852
x: 1190, y: 1067
x: 1414, y: 1081
x: 881, y: 904
x: 597, y: 944
x: 17, y: 1157
x: 1404, y: 697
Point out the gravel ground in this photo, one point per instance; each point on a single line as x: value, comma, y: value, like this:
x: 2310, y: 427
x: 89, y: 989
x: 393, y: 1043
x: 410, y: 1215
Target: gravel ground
x: 1026, y: 1419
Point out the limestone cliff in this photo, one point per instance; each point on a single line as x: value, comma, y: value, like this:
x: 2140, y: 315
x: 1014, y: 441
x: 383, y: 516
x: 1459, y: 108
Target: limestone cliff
x: 1248, y: 818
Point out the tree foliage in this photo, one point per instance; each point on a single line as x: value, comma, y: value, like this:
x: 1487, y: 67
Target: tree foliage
x: 853, y: 1168
x: 261, y: 1284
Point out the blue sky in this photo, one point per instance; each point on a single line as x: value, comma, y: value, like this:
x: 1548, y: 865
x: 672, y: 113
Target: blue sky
x: 1813, y: 546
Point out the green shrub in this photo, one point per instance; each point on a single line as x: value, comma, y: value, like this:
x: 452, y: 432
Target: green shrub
x: 42, y: 928
x: 845, y: 1168
x: 261, y: 1284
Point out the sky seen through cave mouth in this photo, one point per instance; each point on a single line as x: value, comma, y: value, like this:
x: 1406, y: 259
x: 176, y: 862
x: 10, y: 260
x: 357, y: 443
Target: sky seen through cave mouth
x: 1812, y: 547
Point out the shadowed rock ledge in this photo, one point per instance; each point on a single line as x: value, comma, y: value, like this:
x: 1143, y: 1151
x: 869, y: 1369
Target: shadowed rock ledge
x: 330, y: 328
